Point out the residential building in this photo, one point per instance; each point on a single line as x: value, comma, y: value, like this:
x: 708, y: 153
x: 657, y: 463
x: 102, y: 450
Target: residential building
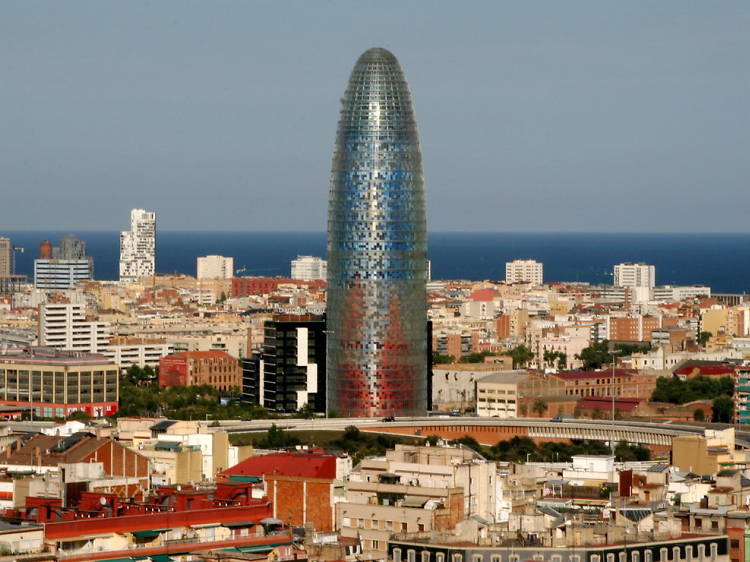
x: 415, y: 489
x: 578, y: 542
x: 290, y: 372
x: 195, y: 519
x: 67, y: 326
x: 377, y: 362
x: 193, y: 368
x: 43, y: 453
x: 300, y: 484
x: 138, y: 246
x: 125, y: 352
x: 57, y: 383
x: 524, y: 271
x: 633, y: 275
x: 6, y: 257
x: 742, y: 394
x: 309, y: 268
x: 215, y: 267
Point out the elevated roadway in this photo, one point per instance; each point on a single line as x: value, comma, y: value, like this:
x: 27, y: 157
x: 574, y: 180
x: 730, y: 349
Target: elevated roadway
x: 489, y: 431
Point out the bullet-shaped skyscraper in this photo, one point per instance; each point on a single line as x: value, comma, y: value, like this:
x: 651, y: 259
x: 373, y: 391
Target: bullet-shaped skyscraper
x: 377, y: 249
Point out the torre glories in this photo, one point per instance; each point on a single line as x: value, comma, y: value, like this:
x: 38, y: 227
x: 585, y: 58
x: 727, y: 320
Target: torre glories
x: 377, y: 249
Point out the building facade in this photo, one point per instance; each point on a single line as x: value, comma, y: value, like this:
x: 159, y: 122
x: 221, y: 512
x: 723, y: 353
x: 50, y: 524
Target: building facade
x: 290, y: 372
x: 61, y: 274
x: 215, y: 267
x: 309, y: 268
x: 193, y: 368
x: 138, y: 246
x: 377, y: 248
x: 66, y: 326
x: 57, y: 383
x: 634, y: 275
x: 6, y: 256
x: 524, y: 271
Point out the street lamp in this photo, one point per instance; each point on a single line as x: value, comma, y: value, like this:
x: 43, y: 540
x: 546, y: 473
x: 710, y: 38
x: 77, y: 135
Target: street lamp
x: 613, y: 352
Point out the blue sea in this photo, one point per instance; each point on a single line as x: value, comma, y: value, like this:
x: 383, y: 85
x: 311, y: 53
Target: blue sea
x: 721, y: 261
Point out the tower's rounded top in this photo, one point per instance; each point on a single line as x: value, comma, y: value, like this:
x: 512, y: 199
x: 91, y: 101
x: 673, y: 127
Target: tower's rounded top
x: 377, y: 54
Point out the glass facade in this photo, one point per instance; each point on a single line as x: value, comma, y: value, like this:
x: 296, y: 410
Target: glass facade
x: 377, y: 249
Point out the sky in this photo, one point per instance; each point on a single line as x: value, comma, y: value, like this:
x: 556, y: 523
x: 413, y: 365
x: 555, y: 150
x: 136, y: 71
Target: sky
x: 592, y: 116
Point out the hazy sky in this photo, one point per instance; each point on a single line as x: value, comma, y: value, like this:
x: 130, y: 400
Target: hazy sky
x: 537, y: 116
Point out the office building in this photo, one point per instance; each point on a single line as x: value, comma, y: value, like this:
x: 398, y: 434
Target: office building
x: 309, y: 268
x: 634, y: 275
x: 6, y: 257
x: 138, y: 246
x: 377, y: 248
x: 59, y: 268
x: 290, y: 372
x: 57, y: 383
x: 66, y: 326
x: 215, y: 267
x: 524, y: 271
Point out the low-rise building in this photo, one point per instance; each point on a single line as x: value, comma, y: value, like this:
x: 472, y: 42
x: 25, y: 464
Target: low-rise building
x: 193, y: 368
x: 497, y: 394
x: 57, y: 383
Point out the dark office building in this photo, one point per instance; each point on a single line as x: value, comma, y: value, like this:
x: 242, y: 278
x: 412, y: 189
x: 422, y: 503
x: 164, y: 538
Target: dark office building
x: 290, y: 372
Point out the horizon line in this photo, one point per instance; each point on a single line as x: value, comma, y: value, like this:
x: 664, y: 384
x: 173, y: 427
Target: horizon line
x: 307, y: 231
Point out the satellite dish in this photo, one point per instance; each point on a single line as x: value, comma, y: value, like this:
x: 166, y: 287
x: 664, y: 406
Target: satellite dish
x: 103, y: 500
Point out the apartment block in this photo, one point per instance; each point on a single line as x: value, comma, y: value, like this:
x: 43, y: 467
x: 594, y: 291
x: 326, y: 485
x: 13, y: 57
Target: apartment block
x: 524, y: 271
x: 66, y: 326
x: 634, y: 275
x: 138, y: 246
x: 215, y: 267
x: 309, y: 268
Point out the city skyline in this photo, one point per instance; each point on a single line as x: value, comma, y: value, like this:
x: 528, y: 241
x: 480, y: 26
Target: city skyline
x: 562, y: 113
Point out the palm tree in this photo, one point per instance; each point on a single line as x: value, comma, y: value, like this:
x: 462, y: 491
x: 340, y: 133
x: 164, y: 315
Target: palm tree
x: 540, y: 406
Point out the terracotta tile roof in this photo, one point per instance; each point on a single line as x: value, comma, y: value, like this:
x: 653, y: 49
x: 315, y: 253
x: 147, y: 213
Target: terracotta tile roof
x: 309, y: 464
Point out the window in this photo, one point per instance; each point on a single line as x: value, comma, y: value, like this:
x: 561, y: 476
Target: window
x: 648, y: 556
x: 425, y: 556
x: 396, y: 555
x: 457, y: 558
x: 477, y: 558
x: 714, y: 524
x: 440, y: 557
x: 411, y: 555
x: 496, y: 558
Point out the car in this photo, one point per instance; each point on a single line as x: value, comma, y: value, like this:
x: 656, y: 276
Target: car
x: 389, y: 419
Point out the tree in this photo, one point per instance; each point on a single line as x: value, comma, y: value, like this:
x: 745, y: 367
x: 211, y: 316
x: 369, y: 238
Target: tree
x: 723, y: 409
x: 562, y: 361
x: 520, y: 355
x: 703, y: 338
x: 699, y: 415
x: 477, y: 357
x: 539, y: 406
x: 595, y: 355
x: 441, y: 359
x: 677, y: 391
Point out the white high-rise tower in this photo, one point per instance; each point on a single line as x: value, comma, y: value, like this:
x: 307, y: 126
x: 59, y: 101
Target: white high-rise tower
x: 137, y: 246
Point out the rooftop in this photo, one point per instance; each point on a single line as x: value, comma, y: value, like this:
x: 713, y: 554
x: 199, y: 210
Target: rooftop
x: 306, y: 464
